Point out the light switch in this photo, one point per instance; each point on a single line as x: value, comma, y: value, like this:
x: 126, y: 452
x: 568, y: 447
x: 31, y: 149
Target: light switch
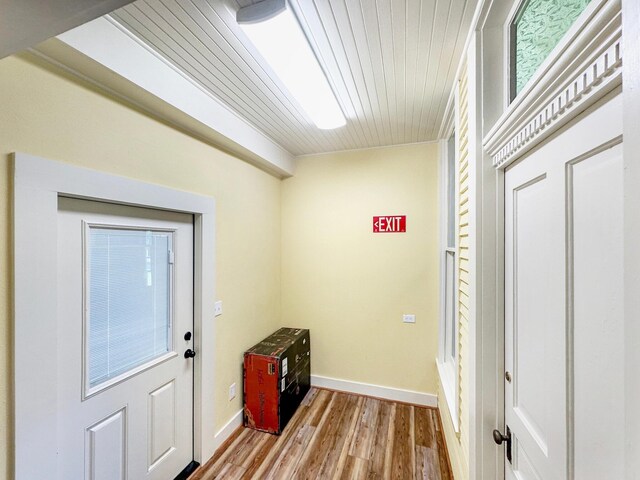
x: 409, y: 318
x: 217, y: 308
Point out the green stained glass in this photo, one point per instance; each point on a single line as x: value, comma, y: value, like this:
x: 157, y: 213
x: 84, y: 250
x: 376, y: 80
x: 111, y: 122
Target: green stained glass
x: 538, y: 28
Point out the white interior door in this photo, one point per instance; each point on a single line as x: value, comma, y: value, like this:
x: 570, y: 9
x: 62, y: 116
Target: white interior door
x: 563, y: 304
x: 125, y: 304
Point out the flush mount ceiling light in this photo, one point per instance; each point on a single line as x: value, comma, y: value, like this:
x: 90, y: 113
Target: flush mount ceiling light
x: 274, y: 30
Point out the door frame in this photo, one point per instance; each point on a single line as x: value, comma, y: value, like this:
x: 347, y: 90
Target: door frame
x: 37, y: 185
x: 631, y: 154
x: 501, y: 133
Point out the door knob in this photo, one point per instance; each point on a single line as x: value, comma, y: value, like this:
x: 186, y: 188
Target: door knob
x: 187, y: 336
x: 498, y: 436
x: 189, y: 353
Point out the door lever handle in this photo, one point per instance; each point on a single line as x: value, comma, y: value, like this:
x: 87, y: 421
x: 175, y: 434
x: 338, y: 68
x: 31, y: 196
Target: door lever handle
x: 189, y: 353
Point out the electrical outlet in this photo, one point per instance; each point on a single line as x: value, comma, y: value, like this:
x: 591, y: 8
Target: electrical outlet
x: 217, y: 308
x: 232, y: 391
x: 409, y: 318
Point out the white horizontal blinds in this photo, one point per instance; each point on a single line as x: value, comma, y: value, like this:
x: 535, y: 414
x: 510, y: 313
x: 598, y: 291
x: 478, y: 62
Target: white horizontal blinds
x: 129, y: 300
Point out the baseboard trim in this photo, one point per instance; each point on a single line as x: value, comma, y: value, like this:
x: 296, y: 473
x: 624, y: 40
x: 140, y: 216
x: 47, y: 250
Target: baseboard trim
x: 388, y: 393
x: 226, y: 431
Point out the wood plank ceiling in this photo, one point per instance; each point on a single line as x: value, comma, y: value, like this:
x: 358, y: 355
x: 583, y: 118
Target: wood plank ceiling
x: 391, y: 64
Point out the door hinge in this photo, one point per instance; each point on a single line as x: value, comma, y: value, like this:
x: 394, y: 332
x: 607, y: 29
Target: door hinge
x: 171, y: 257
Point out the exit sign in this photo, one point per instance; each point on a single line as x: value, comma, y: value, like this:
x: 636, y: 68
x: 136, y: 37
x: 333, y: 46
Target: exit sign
x: 390, y: 224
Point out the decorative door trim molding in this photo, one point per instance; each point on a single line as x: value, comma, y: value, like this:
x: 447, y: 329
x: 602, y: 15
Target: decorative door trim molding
x: 581, y: 70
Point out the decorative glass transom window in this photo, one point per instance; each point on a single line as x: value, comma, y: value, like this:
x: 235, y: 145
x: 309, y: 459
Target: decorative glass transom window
x: 537, y: 28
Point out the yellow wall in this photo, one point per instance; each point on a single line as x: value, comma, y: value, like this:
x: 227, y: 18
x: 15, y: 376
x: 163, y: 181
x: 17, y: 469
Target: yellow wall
x: 46, y: 113
x: 348, y: 285
x: 351, y: 286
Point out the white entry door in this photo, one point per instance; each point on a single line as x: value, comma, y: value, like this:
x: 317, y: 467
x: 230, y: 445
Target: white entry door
x: 563, y: 305
x: 125, y: 304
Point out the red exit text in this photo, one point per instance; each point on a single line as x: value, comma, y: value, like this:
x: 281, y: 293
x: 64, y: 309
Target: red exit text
x: 390, y: 224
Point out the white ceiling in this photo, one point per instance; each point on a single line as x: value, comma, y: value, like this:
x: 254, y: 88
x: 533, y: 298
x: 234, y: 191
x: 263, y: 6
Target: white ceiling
x: 390, y: 62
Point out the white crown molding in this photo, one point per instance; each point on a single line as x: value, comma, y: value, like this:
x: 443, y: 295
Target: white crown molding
x: 111, y: 58
x: 446, y: 125
x: 25, y: 24
x: 581, y: 71
x: 449, y: 118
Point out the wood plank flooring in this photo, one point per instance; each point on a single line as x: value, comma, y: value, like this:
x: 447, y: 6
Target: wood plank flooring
x: 336, y: 435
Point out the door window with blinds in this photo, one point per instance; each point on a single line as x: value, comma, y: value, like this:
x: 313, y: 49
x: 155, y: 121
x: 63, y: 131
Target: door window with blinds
x: 128, y: 302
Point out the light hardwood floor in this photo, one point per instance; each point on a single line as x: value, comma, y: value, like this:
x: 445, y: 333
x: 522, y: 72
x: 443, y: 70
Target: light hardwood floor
x: 336, y: 435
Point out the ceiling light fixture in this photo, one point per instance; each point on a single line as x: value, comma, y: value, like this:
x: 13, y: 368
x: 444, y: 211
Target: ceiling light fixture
x: 273, y: 28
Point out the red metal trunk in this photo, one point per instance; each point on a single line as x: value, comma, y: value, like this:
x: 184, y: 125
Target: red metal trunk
x: 276, y: 379
x: 261, y: 384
